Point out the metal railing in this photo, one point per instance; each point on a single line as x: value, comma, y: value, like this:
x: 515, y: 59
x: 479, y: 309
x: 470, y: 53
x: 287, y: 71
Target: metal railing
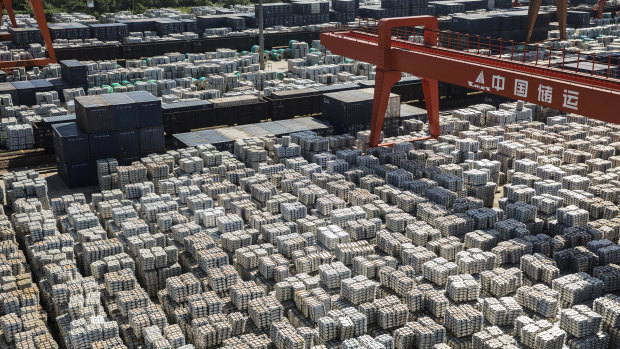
x: 566, y: 59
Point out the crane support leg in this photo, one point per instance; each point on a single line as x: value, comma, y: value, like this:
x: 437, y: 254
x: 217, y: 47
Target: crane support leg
x: 532, y: 14
x: 430, y: 88
x: 384, y: 80
x: 39, y: 14
x: 562, y: 8
x: 8, y: 5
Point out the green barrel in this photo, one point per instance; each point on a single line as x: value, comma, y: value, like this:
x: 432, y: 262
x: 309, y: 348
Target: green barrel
x: 290, y: 43
x: 280, y: 76
x: 255, y: 48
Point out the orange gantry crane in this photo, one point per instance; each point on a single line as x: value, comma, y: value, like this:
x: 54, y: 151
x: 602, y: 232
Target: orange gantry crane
x: 39, y: 15
x: 529, y: 73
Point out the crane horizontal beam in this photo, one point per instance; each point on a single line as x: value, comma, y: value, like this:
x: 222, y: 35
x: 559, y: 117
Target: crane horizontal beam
x: 560, y: 89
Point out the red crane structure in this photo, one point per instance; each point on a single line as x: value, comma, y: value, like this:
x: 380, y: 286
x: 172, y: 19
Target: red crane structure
x: 529, y: 73
x: 39, y: 15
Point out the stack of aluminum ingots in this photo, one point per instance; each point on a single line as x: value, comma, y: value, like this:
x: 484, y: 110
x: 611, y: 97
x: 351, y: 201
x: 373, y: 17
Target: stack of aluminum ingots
x: 493, y: 337
x: 577, y: 288
x: 438, y: 270
x: 539, y: 268
x: 500, y: 282
x: 462, y: 288
x: 501, y: 311
x: 370, y: 265
x: 358, y: 289
x: 349, y: 258
x: 540, y: 299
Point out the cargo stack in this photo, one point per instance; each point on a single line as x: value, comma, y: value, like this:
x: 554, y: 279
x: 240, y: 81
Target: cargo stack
x: 276, y: 14
x: 121, y: 125
x: 343, y: 11
x: 307, y: 12
x: 109, y: 31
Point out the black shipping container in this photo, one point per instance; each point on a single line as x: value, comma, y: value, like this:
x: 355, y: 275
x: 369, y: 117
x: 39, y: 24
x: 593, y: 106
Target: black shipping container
x: 101, y: 145
x: 77, y: 174
x: 23, y: 37
x: 152, y: 140
x: 93, y: 114
x: 190, y: 25
x: 25, y: 92
x: 124, y: 111
x: 74, y: 72
x: 70, y: 143
x: 69, y: 31
x: 43, y: 134
x: 42, y: 85
x: 166, y: 26
x: 149, y: 108
x: 109, y: 31
x: 126, y: 143
x: 138, y: 24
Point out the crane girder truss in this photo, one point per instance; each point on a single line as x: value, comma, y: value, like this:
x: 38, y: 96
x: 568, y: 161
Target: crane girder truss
x: 39, y: 15
x: 472, y: 65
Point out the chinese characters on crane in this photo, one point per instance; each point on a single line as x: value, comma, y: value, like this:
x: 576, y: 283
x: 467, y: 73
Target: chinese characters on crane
x: 520, y: 89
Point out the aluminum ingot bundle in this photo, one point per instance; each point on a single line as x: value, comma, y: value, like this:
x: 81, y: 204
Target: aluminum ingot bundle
x: 462, y: 288
x: 610, y: 275
x: 345, y: 252
x: 577, y: 288
x: 539, y: 298
x: 474, y: 261
x: 264, y: 311
x: 370, y: 265
x: 332, y: 235
x: 447, y: 247
x: 332, y: 274
x: 243, y: 292
x: 501, y: 312
x: 463, y: 320
x: 398, y: 281
x: 572, y: 216
x: 438, y: 270
x: 423, y: 333
x: 580, y: 321
x: 576, y: 259
x: 284, y: 336
x: 484, y: 217
x: 363, y: 229
x: 358, y: 289
x: 493, y: 337
x: 511, y: 251
x: 500, y: 282
x: 421, y: 233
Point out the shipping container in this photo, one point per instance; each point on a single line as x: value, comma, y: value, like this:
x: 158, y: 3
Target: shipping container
x: 126, y: 143
x: 149, y: 108
x: 77, y: 174
x: 70, y: 143
x: 74, y: 72
x: 25, y: 92
x: 152, y: 140
x: 101, y: 145
x: 123, y: 110
x: 43, y: 134
x: 93, y: 114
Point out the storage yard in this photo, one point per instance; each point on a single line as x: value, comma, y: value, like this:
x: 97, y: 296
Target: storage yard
x: 166, y: 183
